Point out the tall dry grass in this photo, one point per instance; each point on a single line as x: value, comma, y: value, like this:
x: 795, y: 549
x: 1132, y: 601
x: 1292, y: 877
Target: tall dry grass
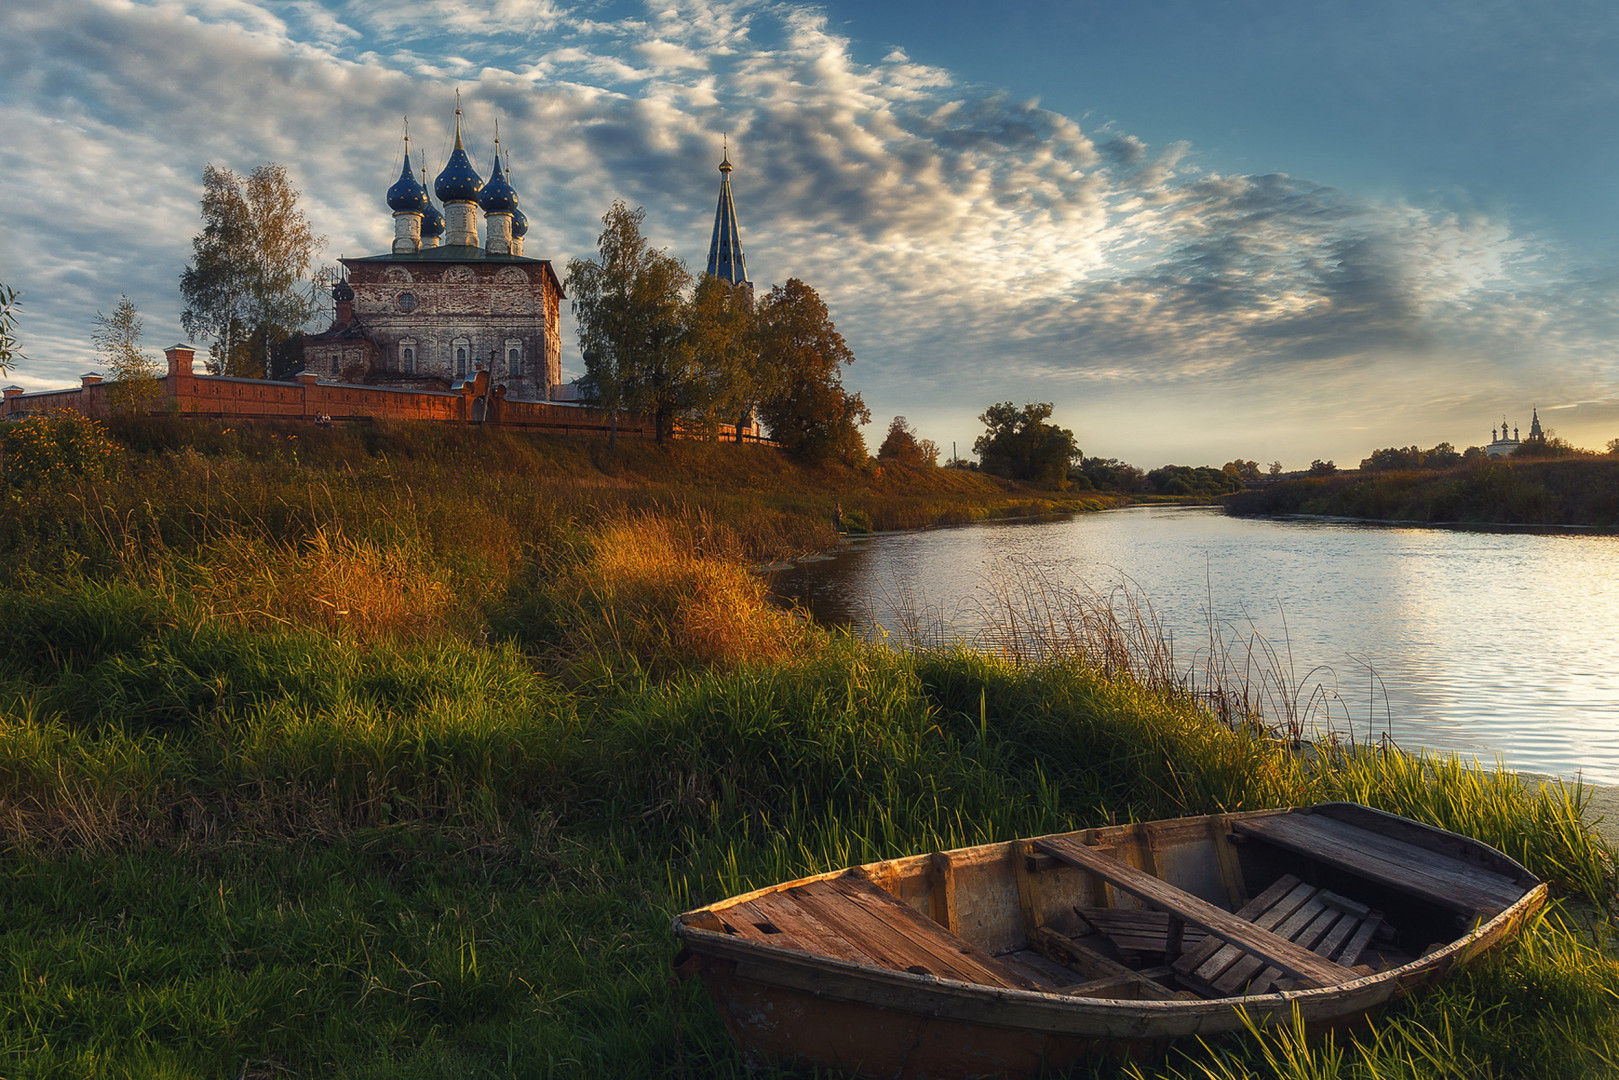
x: 672, y: 592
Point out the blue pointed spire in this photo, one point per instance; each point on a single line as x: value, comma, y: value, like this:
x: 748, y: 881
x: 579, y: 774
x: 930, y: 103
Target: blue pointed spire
x: 725, y: 258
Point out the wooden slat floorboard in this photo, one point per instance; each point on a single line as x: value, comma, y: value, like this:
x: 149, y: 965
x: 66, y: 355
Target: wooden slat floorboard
x: 1227, y: 954
x: 1296, y: 961
x: 1238, y: 974
x: 1200, y: 954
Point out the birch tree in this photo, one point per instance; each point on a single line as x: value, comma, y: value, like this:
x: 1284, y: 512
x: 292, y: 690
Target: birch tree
x: 134, y: 385
x: 245, y: 288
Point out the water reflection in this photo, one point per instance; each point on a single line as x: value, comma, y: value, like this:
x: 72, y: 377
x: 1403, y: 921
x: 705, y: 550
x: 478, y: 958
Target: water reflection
x: 1489, y: 644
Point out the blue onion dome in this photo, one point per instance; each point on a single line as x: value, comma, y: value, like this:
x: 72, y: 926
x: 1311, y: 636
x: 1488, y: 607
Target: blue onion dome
x: 498, y: 196
x: 407, y: 195
x: 519, y: 223
x: 459, y: 182
x: 432, y: 220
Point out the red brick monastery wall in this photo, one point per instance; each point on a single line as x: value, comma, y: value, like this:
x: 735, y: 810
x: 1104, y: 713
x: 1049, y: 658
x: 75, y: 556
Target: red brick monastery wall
x: 307, y: 398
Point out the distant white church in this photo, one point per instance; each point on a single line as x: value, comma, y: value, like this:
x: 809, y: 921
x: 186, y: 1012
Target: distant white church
x: 1501, y: 446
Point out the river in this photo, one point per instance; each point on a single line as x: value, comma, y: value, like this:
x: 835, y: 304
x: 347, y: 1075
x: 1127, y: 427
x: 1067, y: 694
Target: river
x: 1495, y: 645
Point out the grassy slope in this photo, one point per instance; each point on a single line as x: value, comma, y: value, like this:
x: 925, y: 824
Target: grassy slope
x: 391, y: 755
x: 1569, y: 491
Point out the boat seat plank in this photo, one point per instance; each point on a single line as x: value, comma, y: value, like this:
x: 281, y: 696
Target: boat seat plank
x: 1296, y: 961
x: 890, y: 933
x: 1432, y: 875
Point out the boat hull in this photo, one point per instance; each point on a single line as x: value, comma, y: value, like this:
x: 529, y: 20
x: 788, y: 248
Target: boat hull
x: 790, y: 1007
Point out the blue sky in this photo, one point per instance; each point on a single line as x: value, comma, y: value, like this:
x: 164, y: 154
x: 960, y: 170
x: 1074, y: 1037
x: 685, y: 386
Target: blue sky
x: 1202, y: 230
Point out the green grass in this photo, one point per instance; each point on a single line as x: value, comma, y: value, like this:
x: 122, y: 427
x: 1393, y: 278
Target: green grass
x: 396, y: 763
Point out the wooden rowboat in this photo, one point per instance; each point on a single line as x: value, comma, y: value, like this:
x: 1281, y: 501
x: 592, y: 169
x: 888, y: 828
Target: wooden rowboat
x: 1007, y: 959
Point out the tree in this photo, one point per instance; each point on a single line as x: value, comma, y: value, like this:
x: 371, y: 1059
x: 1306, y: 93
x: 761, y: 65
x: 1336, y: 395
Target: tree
x: 1274, y: 468
x: 1020, y: 445
x: 134, y: 385
x: 1613, y: 446
x: 1111, y: 474
x: 1203, y: 480
x: 1242, y: 470
x: 806, y: 408
x: 246, y: 277
x: 1443, y: 456
x: 1322, y: 468
x: 9, y: 353
x: 630, y: 308
x: 724, y: 352
x: 902, y: 447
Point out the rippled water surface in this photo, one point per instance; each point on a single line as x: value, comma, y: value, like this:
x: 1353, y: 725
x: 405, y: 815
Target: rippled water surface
x: 1489, y: 644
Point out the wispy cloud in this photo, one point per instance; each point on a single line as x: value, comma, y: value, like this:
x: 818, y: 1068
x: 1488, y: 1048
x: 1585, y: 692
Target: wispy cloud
x: 972, y: 246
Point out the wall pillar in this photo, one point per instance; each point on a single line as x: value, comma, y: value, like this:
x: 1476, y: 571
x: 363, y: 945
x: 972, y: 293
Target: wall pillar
x: 310, y: 381
x: 179, y: 381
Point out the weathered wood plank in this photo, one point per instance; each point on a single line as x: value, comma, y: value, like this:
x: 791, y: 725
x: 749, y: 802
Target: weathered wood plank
x: 1196, y: 956
x: 1331, y: 945
x: 1278, y: 913
x: 1088, y: 961
x: 799, y: 930
x: 1311, y: 937
x: 875, y: 937
x: 1296, y: 961
x: 1138, y: 930
x: 1290, y: 929
x: 945, y: 911
x: 1358, y: 943
x: 1431, y: 875
x: 896, y: 933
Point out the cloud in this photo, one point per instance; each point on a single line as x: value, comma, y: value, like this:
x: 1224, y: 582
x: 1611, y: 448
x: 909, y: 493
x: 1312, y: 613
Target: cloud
x: 973, y: 247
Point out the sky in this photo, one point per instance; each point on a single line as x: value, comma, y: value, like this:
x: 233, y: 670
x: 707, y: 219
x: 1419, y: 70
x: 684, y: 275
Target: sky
x: 1203, y: 230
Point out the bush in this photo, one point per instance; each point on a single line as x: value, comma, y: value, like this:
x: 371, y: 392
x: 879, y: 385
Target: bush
x: 42, y: 450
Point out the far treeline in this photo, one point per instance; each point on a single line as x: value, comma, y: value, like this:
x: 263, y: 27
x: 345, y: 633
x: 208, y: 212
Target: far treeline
x: 1020, y: 444
x: 1544, y: 482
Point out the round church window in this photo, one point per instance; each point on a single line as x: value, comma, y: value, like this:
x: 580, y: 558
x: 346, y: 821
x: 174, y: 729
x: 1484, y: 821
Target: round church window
x: 407, y: 302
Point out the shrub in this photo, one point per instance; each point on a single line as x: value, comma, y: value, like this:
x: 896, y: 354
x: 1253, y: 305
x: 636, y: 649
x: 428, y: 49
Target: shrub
x: 47, y: 449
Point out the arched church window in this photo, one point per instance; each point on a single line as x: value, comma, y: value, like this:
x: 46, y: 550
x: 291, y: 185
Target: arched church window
x: 407, y: 356
x: 460, y: 360
x: 514, y: 357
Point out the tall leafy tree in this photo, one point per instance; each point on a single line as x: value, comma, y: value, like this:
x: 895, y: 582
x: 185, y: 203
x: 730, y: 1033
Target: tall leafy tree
x: 134, y: 385
x: 1020, y: 445
x: 651, y: 344
x: 629, y: 304
x: 806, y: 408
x: 721, y: 333
x: 246, y: 288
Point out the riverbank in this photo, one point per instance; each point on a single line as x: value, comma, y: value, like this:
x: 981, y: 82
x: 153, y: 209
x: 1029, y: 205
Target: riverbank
x: 394, y: 759
x: 1574, y: 491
